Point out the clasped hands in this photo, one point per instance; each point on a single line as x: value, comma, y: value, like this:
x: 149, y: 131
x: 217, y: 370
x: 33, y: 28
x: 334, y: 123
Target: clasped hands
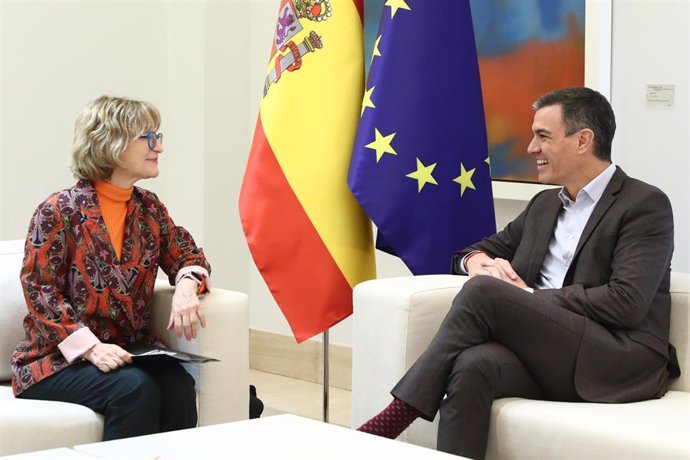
x: 481, y: 264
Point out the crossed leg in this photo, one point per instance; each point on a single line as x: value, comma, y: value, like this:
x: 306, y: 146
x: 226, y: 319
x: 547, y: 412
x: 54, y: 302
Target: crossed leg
x: 497, y: 340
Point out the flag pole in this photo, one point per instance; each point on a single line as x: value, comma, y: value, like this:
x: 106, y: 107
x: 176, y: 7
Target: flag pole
x: 325, y: 376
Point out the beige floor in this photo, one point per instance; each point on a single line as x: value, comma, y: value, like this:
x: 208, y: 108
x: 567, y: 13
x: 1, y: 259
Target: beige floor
x: 286, y: 395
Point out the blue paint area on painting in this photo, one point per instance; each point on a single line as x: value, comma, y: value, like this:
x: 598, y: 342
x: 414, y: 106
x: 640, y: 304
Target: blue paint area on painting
x: 501, y: 26
x: 372, y: 18
x: 503, y: 164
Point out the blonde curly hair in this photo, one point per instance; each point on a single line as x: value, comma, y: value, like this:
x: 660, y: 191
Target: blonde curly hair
x: 104, y: 129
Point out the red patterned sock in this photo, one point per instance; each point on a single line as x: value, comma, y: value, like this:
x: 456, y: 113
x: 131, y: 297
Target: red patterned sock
x: 391, y: 421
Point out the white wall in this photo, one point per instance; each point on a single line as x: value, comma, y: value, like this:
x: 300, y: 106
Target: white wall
x: 651, y: 45
x: 190, y: 59
x: 56, y: 56
x: 203, y: 62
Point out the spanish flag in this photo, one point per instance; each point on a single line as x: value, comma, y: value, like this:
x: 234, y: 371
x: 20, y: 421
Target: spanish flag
x: 308, y: 236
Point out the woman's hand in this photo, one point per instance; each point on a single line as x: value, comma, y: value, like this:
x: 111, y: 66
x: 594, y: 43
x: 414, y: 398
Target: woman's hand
x: 107, y: 356
x: 481, y: 264
x: 186, y: 310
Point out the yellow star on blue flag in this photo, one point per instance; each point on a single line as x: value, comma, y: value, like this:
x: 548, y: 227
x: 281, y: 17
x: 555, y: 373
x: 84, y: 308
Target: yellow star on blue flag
x: 465, y: 179
x: 423, y: 175
x: 395, y: 5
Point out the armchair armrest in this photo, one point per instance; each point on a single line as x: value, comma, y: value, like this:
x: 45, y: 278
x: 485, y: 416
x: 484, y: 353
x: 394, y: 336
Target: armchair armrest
x: 222, y: 387
x: 394, y: 322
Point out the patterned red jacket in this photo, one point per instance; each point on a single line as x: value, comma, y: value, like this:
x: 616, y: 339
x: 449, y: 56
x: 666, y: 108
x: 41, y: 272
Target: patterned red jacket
x: 72, y: 278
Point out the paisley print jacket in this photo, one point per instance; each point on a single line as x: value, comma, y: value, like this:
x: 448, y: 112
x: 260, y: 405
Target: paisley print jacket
x: 72, y: 278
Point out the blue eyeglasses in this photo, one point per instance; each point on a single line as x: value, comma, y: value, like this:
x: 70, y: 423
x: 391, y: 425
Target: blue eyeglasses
x: 152, y: 139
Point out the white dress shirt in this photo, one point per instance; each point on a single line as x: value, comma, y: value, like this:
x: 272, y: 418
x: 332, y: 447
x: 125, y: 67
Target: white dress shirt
x: 569, y: 226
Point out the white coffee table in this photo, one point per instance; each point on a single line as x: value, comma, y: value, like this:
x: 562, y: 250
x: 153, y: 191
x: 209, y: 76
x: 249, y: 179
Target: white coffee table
x: 62, y: 453
x: 277, y: 437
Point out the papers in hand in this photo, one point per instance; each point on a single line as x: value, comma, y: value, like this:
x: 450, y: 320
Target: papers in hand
x: 140, y: 350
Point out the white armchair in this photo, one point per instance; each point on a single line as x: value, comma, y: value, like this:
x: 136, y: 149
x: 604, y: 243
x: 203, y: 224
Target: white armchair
x: 394, y: 322
x: 222, y: 387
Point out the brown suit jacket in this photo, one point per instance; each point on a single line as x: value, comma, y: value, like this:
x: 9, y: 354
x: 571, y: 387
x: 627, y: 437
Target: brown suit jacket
x: 618, y: 280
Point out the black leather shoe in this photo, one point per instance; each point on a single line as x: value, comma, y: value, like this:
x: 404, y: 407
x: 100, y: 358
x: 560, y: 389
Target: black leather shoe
x: 256, y: 407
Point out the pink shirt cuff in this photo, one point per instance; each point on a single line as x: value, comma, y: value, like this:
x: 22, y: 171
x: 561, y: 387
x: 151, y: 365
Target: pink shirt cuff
x: 199, y: 270
x: 78, y: 343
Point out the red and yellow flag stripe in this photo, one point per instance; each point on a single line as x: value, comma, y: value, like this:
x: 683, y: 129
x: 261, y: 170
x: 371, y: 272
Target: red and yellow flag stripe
x: 308, y: 236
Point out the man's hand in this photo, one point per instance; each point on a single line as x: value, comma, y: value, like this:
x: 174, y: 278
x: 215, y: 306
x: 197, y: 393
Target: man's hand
x: 186, y: 310
x: 481, y: 264
x: 107, y: 356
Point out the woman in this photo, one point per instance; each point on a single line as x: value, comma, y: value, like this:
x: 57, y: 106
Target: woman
x: 91, y: 259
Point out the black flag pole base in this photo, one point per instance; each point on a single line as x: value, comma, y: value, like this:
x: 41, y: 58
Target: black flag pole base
x: 325, y: 376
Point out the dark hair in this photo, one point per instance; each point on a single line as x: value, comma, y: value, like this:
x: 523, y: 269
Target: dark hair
x: 584, y: 108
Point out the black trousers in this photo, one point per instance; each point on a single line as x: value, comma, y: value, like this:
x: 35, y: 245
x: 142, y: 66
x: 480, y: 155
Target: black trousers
x: 496, y: 341
x: 142, y: 398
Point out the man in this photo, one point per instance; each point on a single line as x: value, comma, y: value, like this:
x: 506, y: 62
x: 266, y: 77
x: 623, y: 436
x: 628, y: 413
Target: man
x: 569, y: 302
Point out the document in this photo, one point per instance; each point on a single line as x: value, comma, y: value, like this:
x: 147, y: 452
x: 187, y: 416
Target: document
x: 143, y: 351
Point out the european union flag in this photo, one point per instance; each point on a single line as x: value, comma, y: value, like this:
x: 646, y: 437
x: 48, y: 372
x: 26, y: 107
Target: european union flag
x: 420, y: 165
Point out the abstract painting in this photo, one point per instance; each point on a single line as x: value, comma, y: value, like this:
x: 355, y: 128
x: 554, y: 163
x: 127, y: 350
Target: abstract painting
x: 525, y: 48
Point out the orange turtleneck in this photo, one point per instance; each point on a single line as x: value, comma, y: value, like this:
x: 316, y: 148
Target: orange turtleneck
x: 113, y: 201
